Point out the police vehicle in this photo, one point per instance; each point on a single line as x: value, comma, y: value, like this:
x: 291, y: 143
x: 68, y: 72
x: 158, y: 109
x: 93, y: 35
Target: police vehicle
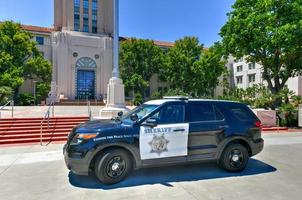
x: 172, y: 130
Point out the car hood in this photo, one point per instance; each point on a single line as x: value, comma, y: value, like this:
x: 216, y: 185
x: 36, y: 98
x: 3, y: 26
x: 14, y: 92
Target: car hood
x: 97, y: 126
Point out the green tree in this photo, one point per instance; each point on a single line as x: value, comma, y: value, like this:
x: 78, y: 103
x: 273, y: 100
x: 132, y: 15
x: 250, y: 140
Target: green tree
x: 139, y: 60
x: 268, y: 32
x: 192, y: 69
x: 20, y: 58
x: 181, y: 58
x: 208, y: 70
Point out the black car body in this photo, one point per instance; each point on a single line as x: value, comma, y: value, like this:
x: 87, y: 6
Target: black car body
x: 165, y: 132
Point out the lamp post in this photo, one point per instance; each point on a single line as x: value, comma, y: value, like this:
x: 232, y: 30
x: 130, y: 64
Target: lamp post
x: 115, y: 89
x: 35, y: 96
x: 115, y: 72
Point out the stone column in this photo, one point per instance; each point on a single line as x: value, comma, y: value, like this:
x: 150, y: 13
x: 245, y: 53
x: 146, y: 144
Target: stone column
x: 115, y: 89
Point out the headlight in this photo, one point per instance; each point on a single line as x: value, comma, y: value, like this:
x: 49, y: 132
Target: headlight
x: 80, y: 137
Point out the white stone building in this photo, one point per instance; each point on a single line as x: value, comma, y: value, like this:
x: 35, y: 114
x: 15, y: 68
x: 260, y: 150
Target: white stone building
x: 246, y: 74
x: 79, y: 47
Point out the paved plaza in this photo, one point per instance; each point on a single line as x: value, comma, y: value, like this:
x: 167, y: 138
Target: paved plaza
x: 35, y: 172
x: 39, y: 111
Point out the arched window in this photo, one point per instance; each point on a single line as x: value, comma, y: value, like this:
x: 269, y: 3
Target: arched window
x: 86, y: 62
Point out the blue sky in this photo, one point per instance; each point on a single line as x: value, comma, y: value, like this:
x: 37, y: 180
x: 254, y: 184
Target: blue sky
x: 165, y: 20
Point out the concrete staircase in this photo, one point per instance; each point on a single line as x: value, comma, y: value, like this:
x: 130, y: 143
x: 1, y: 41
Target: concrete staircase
x: 28, y: 130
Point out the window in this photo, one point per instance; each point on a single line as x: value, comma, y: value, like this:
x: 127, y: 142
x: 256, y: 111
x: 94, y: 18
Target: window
x: 238, y: 60
x: 201, y: 112
x: 85, y: 26
x: 86, y: 62
x: 239, y: 79
x: 141, y: 111
x: 239, y: 68
x: 252, y: 78
x: 85, y: 15
x: 170, y: 114
x: 252, y: 66
x: 40, y: 40
x: 240, y: 114
x: 219, y: 116
x: 94, y: 15
x: 76, y: 15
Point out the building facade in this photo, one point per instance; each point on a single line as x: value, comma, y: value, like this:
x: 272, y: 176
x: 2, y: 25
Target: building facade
x: 82, y: 47
x: 245, y: 74
x: 79, y: 47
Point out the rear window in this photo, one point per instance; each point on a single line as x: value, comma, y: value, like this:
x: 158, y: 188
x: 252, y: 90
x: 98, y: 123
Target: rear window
x: 204, y: 112
x: 242, y: 114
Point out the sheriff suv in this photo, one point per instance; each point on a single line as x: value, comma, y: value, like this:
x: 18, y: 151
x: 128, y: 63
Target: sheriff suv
x: 172, y: 130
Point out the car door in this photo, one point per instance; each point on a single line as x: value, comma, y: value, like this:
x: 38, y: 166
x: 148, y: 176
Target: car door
x: 206, y: 128
x: 169, y: 138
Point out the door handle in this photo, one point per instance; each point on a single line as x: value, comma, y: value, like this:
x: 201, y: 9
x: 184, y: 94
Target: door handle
x: 178, y: 130
x: 223, y: 126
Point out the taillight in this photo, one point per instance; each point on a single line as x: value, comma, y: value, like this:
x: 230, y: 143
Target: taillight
x: 258, y: 124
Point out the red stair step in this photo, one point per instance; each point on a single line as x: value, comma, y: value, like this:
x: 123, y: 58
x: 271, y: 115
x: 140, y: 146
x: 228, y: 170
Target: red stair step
x: 39, y: 124
x: 29, y: 136
x: 40, y: 120
x: 45, y: 127
x: 32, y: 140
x: 35, y: 131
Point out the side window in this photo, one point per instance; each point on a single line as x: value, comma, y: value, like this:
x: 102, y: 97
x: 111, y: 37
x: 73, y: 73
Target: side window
x: 170, y: 114
x: 240, y: 114
x: 201, y: 112
x: 219, y: 116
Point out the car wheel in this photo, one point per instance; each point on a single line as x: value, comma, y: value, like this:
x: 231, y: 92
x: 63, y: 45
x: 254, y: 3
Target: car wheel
x: 113, y: 166
x: 234, y: 158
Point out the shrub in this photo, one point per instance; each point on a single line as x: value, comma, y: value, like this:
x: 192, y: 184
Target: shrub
x: 138, y: 99
x: 42, y: 91
x: 176, y: 92
x: 5, y: 94
x: 156, y: 95
x: 288, y: 114
x: 25, y: 99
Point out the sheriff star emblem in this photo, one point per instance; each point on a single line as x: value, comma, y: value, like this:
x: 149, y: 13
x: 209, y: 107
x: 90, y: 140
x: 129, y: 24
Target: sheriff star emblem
x: 159, y: 144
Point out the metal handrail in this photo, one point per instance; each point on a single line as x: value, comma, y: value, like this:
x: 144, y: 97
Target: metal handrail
x: 51, y: 108
x: 12, y: 104
x: 89, y: 110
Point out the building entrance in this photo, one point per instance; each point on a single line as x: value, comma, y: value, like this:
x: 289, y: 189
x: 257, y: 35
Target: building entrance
x: 85, y: 84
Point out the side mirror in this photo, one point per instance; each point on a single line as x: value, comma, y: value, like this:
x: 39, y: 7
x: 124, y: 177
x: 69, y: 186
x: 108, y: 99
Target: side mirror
x: 134, y: 117
x: 120, y: 114
x: 150, y: 122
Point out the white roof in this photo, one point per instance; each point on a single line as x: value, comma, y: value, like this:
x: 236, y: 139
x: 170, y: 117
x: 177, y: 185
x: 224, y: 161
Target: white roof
x: 161, y: 101
x: 158, y: 102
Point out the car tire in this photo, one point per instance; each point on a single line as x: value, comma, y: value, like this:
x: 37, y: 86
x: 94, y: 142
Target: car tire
x: 113, y: 166
x: 234, y: 158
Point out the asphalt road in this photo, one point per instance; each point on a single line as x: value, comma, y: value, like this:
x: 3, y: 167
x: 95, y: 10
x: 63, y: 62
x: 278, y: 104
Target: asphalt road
x: 34, y: 172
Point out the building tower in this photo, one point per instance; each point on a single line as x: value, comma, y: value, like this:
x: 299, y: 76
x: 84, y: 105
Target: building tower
x: 82, y: 47
x: 91, y: 16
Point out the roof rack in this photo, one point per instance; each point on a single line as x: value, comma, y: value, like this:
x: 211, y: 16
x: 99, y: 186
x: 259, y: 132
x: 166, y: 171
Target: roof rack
x: 176, y: 97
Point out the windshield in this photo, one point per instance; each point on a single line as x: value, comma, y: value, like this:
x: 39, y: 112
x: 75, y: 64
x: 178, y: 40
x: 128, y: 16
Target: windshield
x: 141, y: 111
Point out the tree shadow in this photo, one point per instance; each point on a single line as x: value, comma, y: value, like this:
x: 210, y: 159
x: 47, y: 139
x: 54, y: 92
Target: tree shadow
x: 170, y: 174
